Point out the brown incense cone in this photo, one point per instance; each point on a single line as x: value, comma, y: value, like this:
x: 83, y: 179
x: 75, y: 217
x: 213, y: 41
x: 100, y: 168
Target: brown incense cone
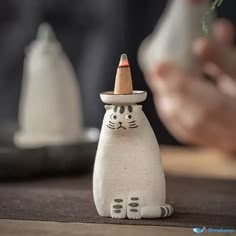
x: 123, y: 83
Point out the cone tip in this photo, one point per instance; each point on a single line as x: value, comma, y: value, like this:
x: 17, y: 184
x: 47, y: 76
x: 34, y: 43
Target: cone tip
x: 45, y: 32
x: 123, y: 60
x: 123, y: 83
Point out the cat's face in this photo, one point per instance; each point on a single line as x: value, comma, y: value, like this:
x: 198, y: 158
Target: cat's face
x: 122, y: 117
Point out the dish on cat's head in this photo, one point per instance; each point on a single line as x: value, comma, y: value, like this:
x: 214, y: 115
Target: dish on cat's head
x: 136, y: 97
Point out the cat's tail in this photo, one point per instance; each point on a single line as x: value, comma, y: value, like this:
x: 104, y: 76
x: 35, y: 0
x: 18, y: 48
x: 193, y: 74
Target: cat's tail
x: 156, y: 211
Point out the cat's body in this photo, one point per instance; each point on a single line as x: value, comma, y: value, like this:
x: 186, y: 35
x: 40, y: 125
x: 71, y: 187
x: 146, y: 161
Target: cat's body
x: 128, y: 173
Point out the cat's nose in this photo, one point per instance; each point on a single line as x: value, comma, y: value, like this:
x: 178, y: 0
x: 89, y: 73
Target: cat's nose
x: 120, y: 123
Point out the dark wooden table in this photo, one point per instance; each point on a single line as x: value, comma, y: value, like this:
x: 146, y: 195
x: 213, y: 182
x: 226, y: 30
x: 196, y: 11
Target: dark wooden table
x: 177, y: 161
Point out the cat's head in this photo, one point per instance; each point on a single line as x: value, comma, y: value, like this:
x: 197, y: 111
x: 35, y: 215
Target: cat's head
x: 123, y: 117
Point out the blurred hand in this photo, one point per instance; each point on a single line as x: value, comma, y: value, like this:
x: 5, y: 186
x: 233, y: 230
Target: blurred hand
x: 195, y: 110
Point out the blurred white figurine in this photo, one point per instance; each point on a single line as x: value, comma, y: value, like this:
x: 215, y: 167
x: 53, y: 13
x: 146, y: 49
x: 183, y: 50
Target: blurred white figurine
x: 173, y: 36
x: 50, y: 109
x: 128, y: 178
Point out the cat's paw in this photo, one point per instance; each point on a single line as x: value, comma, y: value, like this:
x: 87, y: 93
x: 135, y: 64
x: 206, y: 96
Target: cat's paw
x: 134, y: 205
x: 118, y: 208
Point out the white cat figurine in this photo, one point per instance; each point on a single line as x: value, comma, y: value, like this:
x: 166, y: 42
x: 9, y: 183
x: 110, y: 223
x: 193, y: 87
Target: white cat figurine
x: 128, y: 178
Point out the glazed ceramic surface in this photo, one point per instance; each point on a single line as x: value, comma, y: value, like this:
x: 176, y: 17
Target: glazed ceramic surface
x: 135, y: 97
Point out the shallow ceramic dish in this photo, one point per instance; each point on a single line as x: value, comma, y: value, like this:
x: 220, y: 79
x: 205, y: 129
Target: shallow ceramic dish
x: 135, y: 97
x: 77, y: 158
x: 17, y: 164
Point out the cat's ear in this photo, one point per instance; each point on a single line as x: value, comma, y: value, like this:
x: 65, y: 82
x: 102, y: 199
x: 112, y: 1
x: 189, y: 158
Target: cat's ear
x: 107, y: 107
x: 139, y: 107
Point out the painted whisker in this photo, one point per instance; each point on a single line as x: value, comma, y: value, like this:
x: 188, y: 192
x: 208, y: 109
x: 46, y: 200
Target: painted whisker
x: 132, y: 127
x: 110, y: 127
x: 130, y: 122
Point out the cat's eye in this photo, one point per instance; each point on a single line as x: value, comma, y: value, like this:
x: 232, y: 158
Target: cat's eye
x: 114, y: 117
x: 128, y: 117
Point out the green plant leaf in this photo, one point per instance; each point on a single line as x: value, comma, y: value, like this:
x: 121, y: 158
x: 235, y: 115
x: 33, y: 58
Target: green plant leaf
x: 214, y: 5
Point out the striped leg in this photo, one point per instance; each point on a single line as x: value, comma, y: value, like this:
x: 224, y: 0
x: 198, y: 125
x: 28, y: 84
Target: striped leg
x: 134, y: 205
x: 118, y: 208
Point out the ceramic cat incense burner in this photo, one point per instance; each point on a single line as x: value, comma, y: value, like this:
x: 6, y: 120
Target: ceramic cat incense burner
x: 128, y: 178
